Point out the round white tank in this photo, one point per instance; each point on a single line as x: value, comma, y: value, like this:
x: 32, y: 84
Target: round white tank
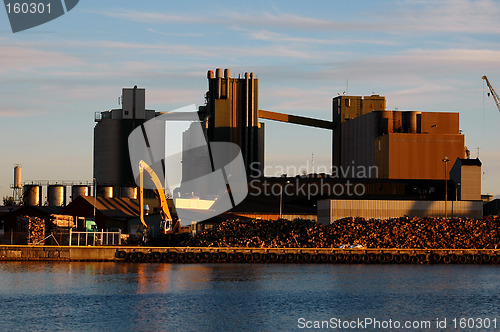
x: 18, y: 181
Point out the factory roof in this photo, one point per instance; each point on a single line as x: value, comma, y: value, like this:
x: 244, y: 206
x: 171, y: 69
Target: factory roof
x: 114, y: 208
x: 471, y: 162
x: 11, y: 218
x: 47, y: 210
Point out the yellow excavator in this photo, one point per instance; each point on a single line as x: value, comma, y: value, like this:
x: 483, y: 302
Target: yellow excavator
x: 168, y: 225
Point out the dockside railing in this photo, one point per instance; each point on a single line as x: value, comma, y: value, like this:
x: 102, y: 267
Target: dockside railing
x: 101, y: 238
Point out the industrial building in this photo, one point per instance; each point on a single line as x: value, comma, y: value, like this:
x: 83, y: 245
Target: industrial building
x: 401, y: 144
x: 112, y: 169
x: 466, y: 175
x: 404, y: 150
x: 232, y: 115
x: 416, y: 163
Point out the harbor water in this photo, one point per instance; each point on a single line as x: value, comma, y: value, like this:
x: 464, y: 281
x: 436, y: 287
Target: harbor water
x: 96, y: 296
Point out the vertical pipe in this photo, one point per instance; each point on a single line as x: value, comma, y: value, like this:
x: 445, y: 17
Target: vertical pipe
x: 218, y: 76
x: 95, y: 198
x: 445, y: 161
x: 235, y: 135
x: 245, y: 133
x: 281, y: 200
x: 134, y: 101
x: 252, y: 120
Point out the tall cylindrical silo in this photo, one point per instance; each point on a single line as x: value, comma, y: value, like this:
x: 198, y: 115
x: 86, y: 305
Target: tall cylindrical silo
x: 18, y: 181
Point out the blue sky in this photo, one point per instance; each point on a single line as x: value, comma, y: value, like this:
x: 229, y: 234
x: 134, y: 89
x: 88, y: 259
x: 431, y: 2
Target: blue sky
x: 421, y: 55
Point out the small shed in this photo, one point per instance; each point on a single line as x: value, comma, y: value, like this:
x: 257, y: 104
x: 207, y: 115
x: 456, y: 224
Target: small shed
x: 111, y: 214
x: 15, y: 226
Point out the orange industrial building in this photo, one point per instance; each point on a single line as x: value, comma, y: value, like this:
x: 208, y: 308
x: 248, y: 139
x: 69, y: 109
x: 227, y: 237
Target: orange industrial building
x: 401, y: 144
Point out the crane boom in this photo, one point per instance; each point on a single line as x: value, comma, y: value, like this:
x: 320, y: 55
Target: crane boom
x: 165, y: 211
x: 493, y: 92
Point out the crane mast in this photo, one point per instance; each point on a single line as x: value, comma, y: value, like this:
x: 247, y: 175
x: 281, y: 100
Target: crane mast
x: 493, y: 92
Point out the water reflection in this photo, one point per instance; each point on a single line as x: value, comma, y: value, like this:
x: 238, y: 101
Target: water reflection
x: 121, y: 296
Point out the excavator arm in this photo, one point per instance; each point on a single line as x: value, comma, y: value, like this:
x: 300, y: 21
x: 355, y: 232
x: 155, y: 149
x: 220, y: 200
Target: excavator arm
x: 493, y: 92
x: 168, y: 224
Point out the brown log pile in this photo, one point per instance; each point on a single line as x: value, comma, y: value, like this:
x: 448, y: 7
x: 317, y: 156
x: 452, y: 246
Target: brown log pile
x: 36, y: 229
x: 62, y: 221
x: 404, y: 233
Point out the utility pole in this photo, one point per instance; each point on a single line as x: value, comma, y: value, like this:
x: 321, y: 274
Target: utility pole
x: 281, y: 199
x: 95, y: 196
x: 445, y: 161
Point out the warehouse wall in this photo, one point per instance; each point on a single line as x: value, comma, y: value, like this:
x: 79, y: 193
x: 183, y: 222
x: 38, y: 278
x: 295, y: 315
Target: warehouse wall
x: 416, y: 156
x: 332, y: 210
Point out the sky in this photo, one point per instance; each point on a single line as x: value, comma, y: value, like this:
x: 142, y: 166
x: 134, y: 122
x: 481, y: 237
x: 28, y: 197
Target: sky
x: 420, y: 55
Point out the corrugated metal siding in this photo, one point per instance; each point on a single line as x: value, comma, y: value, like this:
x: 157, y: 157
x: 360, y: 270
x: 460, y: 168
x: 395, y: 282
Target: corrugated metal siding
x: 331, y: 210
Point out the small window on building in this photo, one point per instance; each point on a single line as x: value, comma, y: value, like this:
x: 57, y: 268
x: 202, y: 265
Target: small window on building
x: 126, y: 112
x: 347, y: 102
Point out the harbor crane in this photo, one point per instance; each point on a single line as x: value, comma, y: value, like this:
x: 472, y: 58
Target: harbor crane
x: 493, y: 92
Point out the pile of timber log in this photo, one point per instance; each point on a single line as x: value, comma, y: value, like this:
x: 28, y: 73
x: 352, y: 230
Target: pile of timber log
x: 404, y: 233
x: 62, y: 221
x: 36, y: 229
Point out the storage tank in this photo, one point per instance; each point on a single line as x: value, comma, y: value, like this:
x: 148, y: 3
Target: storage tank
x: 107, y: 192
x: 386, y: 123
x: 56, y: 195
x: 129, y: 192
x: 79, y: 190
x: 413, y: 122
x: 18, y: 182
x: 397, y: 121
x: 109, y: 136
x: 410, y: 121
x: 32, y: 195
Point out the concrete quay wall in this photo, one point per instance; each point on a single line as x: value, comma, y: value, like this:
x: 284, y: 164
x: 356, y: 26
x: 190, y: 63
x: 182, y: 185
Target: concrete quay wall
x: 250, y: 255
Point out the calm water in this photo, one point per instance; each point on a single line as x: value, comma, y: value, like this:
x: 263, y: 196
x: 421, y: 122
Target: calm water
x: 236, y: 297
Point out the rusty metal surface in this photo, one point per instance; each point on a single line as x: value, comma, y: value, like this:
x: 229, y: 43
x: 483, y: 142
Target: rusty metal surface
x: 295, y: 119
